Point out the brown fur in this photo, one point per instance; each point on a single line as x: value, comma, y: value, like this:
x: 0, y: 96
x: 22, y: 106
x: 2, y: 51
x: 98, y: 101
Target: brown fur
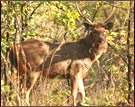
x: 71, y: 59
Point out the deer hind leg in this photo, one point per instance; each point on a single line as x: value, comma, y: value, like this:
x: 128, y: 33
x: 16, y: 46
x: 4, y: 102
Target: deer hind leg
x: 81, y: 90
x: 32, y: 78
x: 74, y: 90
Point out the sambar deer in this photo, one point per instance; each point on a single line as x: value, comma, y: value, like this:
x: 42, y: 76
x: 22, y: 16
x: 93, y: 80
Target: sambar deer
x: 70, y: 60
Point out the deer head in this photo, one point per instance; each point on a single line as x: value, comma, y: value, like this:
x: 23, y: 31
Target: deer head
x: 96, y: 32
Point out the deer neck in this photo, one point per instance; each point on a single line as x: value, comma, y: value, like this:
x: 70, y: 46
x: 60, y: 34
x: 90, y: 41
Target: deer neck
x: 93, y: 48
x: 87, y: 42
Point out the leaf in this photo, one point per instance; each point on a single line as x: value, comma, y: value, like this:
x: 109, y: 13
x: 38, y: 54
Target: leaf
x: 5, y: 88
x: 2, y: 82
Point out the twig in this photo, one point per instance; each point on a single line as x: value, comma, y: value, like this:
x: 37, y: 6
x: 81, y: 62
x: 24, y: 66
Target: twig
x: 128, y: 55
x: 119, y: 7
x: 52, y: 53
x: 34, y: 10
x: 119, y: 55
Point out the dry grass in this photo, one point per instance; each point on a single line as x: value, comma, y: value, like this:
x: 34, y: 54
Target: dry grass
x: 55, y: 92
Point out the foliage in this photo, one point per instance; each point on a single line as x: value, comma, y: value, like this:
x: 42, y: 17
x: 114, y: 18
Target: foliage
x: 49, y: 20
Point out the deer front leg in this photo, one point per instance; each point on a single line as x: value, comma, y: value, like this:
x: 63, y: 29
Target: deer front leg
x: 81, y: 90
x: 74, y: 90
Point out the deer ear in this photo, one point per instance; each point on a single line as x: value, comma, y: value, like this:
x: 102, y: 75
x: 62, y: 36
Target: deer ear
x: 87, y: 25
x: 108, y: 25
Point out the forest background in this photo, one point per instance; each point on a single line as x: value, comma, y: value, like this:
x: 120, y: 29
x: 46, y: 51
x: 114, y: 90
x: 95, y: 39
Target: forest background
x: 49, y: 20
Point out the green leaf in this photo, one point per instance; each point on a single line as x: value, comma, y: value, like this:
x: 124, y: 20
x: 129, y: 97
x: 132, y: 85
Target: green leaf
x: 5, y: 88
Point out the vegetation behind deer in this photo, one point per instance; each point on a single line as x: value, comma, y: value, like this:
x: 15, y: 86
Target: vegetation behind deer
x: 105, y: 85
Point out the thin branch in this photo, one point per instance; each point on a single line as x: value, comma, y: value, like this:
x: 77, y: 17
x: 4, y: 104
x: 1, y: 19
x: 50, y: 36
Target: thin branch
x: 17, y: 24
x: 34, y: 10
x: 119, y: 55
x: 119, y: 7
x: 128, y: 55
